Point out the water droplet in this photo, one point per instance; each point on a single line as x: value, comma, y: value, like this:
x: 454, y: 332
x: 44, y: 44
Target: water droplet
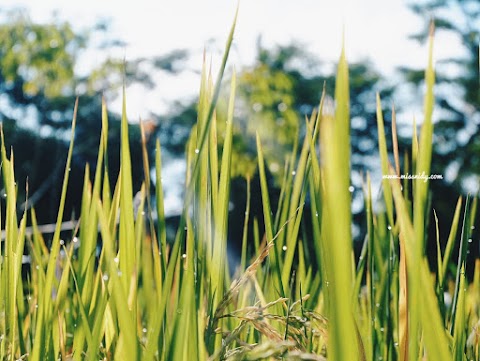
x: 351, y: 189
x: 360, y: 258
x: 105, y: 277
x: 197, y: 151
x: 395, y: 344
x: 470, y: 240
x: 69, y: 169
x: 284, y: 248
x: 185, y: 228
x: 293, y: 172
x: 327, y: 283
x: 75, y: 325
x: 382, y: 329
x: 37, y: 267
x: 62, y: 242
x: 473, y: 227
x: 184, y: 255
x: 116, y: 260
x: 389, y: 227
x: 119, y: 273
x: 75, y: 239
x: 144, y: 330
x: 4, y: 195
x: 36, y: 306
x: 377, y: 305
x: 143, y: 213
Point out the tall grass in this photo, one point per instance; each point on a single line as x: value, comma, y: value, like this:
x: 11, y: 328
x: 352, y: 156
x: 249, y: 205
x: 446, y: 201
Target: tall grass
x: 117, y: 290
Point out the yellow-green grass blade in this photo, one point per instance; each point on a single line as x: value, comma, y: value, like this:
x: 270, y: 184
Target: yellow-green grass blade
x: 243, y: 258
x: 127, y: 346
x: 10, y: 255
x: 221, y: 216
x: 424, y: 153
x: 336, y: 219
x: 185, y: 339
x: 267, y: 214
x: 127, y: 254
x: 43, y: 326
x: 450, y: 242
x: 462, y: 255
x: 156, y: 325
x: 382, y: 147
x: 459, y: 326
x: 300, y: 176
x: 423, y: 306
x: 161, y: 224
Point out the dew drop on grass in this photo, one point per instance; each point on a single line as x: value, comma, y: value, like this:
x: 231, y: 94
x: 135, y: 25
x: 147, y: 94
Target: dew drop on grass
x: 116, y: 260
x: 293, y: 172
x: 395, y: 344
x: 105, y: 277
x: 144, y: 330
x: 377, y: 305
x: 184, y: 255
x: 37, y: 267
x: 62, y: 242
x: 351, y: 189
x: 119, y: 273
x: 284, y: 248
x: 75, y: 239
x: 470, y: 240
x: 197, y: 151
x: 316, y: 214
x: 389, y: 227
x: 382, y: 329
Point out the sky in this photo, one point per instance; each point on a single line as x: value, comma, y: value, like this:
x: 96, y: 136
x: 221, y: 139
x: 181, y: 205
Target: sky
x: 374, y: 29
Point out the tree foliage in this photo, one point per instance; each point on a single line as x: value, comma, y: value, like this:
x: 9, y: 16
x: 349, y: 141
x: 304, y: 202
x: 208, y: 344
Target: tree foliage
x: 457, y: 90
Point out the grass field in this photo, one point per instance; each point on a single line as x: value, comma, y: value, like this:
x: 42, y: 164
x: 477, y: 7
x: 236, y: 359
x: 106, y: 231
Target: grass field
x: 117, y: 290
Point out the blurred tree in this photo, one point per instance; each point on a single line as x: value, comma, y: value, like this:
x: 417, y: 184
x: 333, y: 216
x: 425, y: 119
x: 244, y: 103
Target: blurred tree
x: 457, y: 89
x: 39, y: 81
x: 274, y: 95
x: 456, y: 133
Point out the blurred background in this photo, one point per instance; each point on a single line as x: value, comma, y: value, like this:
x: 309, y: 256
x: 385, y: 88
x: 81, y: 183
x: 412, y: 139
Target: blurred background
x: 283, y: 52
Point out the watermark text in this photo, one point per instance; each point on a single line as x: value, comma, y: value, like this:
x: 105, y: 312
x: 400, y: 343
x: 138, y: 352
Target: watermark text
x: 421, y: 176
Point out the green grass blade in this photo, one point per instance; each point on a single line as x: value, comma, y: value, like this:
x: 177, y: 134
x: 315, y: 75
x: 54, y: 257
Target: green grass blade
x: 336, y: 222
x: 43, y: 326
